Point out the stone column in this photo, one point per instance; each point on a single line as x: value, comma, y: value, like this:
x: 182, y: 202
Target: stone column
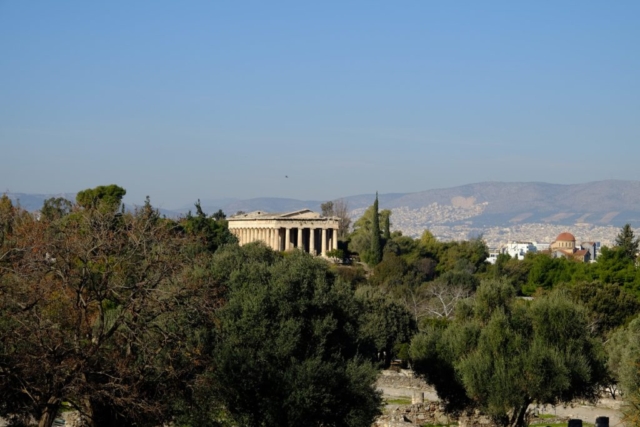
x: 300, y: 239
x: 287, y: 239
x: 274, y: 239
x: 323, y: 249
x: 312, y: 241
x: 334, y: 239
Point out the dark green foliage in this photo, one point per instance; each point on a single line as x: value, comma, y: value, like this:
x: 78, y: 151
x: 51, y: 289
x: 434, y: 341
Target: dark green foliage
x: 614, y: 266
x: 390, y: 272
x: 474, y: 252
x: 353, y: 275
x: 55, y: 208
x: 386, y: 229
x: 545, y: 272
x: 384, y: 322
x: 624, y: 365
x: 219, y: 215
x: 289, y: 346
x: 376, y: 243
x: 501, y: 354
x: 609, y: 306
x: 627, y: 242
x: 7, y: 212
x: 107, y: 197
x: 210, y: 232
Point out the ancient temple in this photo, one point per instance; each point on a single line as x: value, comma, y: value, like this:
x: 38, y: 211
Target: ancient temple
x: 304, y: 229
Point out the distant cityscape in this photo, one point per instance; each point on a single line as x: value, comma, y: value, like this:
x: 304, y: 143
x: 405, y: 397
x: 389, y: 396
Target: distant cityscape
x: 453, y: 223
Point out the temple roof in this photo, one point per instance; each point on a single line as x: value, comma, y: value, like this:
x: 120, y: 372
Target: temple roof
x: 299, y: 214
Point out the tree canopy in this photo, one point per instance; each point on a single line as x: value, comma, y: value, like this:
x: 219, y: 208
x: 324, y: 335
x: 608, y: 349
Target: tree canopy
x: 501, y: 354
x: 106, y: 197
x: 627, y: 242
x: 290, y: 347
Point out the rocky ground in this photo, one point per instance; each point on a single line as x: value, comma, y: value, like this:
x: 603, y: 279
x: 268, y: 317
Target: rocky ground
x: 403, y: 385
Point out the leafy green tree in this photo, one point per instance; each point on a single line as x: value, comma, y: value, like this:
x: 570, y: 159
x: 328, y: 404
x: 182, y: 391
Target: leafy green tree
x: 615, y: 267
x: 452, y: 255
x: 624, y: 364
x: 384, y: 323
x: 386, y: 229
x: 327, y: 208
x: 361, y: 239
x: 85, y: 317
x: 376, y: 242
x: 609, y: 306
x: 288, y: 352
x: 501, y: 354
x: 210, y: 232
x: 546, y: 272
x: 219, y: 215
x: 108, y: 197
x: 7, y: 215
x: 56, y: 207
x: 627, y: 242
x: 623, y: 349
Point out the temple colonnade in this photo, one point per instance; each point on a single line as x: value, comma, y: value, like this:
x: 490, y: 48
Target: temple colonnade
x: 304, y: 230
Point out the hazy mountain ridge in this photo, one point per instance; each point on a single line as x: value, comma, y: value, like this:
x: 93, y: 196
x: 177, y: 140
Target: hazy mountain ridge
x: 474, y: 207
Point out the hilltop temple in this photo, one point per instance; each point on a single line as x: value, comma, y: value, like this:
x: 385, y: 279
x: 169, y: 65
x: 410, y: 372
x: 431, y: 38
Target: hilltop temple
x: 304, y: 229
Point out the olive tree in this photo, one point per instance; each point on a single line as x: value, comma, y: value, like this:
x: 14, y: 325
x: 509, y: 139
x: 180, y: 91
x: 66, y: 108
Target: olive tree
x: 289, y: 346
x: 501, y: 354
x: 624, y: 363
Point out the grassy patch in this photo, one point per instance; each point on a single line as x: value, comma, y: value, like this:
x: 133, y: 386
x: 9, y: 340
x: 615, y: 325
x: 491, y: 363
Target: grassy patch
x: 398, y: 401
x: 546, y: 416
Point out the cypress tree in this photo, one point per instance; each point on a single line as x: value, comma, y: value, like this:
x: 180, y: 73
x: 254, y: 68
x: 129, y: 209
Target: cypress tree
x: 376, y: 244
x: 386, y: 234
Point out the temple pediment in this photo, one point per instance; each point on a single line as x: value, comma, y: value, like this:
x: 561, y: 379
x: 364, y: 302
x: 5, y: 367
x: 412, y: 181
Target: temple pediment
x: 301, y: 214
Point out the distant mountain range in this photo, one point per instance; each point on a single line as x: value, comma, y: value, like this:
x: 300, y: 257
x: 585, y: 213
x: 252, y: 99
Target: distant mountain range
x: 495, y: 203
x: 486, y: 204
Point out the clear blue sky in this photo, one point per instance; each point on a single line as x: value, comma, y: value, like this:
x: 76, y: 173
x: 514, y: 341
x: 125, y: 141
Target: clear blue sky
x: 211, y: 99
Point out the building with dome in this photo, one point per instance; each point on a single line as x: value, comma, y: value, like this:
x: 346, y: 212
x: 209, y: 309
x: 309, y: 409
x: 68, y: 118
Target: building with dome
x: 564, y: 242
x: 565, y: 246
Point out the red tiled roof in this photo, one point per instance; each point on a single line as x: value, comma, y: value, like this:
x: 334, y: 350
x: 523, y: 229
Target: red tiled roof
x: 565, y: 237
